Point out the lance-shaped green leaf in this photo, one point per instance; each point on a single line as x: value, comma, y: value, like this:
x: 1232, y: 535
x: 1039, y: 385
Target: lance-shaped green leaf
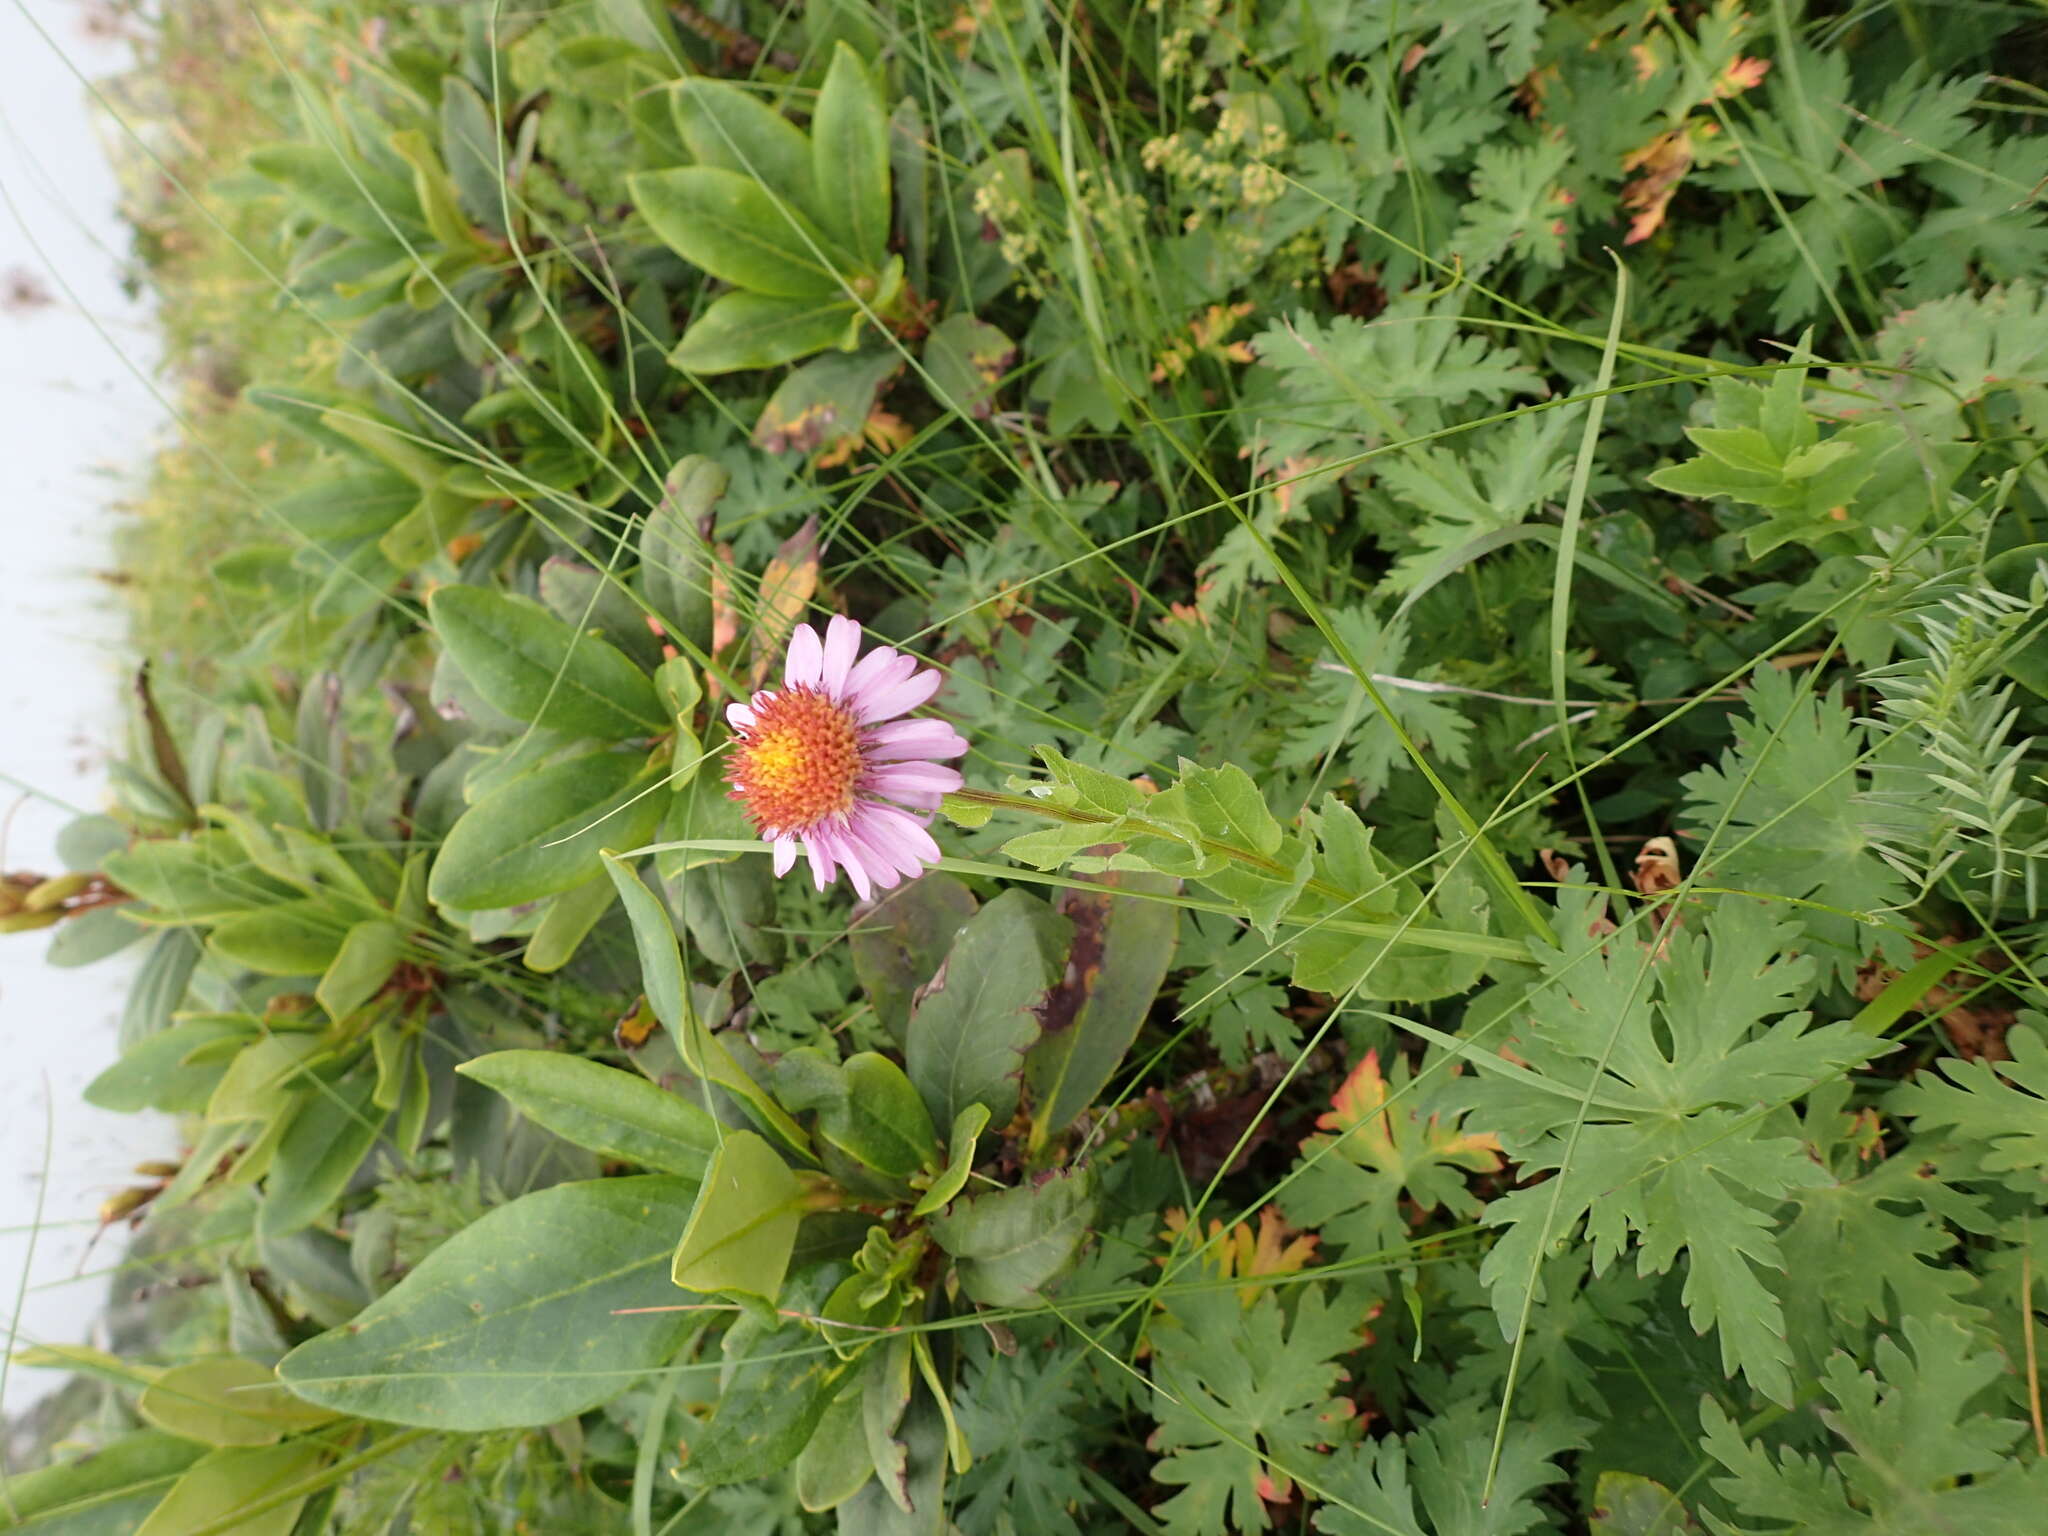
x: 756, y: 330
x: 215, y: 1490
x: 850, y: 158
x: 729, y: 127
x: 226, y: 1401
x: 866, y: 1108
x: 771, y: 1403
x: 567, y: 922
x: 337, y: 1123
x: 618, y: 1115
x: 675, y: 556
x: 914, y: 1503
x: 882, y: 1122
x: 522, y: 1318
x: 835, y: 1462
x: 967, y: 1128
x: 112, y: 1490
x: 734, y: 228
x: 967, y: 1039
x: 535, y: 668
x: 1009, y: 1244
x: 158, y: 1072
x: 198, y: 879
x: 1121, y: 949
x: 369, y: 953
x: 541, y: 833
x: 743, y: 1226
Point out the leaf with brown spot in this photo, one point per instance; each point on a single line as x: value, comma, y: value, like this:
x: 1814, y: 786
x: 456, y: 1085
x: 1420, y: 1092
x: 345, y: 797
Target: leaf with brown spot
x: 823, y: 402
x: 966, y: 359
x: 1121, y: 949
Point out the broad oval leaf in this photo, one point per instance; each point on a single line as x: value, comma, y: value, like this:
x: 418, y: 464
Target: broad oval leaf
x: 1008, y: 1245
x: 226, y: 1401
x: 880, y: 1121
x: 967, y: 1039
x: 535, y: 668
x: 369, y: 953
x: 901, y: 939
x: 835, y: 1463
x: 198, y: 879
x: 217, y: 1488
x: 107, y: 1493
x: 541, y: 833
x: 733, y: 228
x: 743, y: 1227
x: 337, y: 1123
x: 728, y: 127
x: 356, y: 504
x: 154, y: 1072
x: 615, y: 1114
x: 515, y: 1320
x: 292, y: 938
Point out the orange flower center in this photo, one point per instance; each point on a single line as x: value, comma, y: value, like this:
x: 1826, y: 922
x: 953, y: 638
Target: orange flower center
x: 798, y: 762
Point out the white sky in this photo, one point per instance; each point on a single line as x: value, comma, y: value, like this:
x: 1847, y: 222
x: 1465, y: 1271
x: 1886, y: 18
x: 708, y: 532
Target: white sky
x: 76, y: 425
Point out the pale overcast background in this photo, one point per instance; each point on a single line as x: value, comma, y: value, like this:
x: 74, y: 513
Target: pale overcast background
x: 76, y: 425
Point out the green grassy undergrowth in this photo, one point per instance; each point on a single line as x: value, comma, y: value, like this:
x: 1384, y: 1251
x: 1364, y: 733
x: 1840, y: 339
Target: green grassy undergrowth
x: 1485, y: 974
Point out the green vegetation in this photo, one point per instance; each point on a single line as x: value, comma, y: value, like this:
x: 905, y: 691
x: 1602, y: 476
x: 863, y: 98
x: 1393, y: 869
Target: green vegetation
x: 1485, y: 974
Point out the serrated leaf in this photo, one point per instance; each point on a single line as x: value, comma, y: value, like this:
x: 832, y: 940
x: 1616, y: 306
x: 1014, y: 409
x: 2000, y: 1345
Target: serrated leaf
x: 1674, y: 1051
x: 1386, y: 1142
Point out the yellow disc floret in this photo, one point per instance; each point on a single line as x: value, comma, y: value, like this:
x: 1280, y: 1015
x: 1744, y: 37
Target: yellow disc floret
x: 798, y: 763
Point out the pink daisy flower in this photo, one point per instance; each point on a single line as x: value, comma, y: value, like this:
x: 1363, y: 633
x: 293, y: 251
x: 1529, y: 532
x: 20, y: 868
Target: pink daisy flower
x: 818, y: 763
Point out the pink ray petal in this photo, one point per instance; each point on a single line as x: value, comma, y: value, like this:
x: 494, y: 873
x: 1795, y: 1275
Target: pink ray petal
x: 898, y: 698
x: 842, y: 644
x: 806, y: 658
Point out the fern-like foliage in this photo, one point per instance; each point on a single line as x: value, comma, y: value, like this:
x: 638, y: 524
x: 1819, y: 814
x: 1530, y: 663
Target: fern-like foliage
x: 1949, y: 799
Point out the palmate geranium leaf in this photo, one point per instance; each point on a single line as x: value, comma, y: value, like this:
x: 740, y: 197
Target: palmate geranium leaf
x: 1997, y: 1111
x: 1021, y: 1414
x: 1915, y: 1449
x: 1675, y: 1059
x: 1790, y: 792
x: 1871, y: 1243
x: 1374, y: 1489
x: 1244, y: 1396
x: 1340, y: 724
x: 1386, y: 1142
